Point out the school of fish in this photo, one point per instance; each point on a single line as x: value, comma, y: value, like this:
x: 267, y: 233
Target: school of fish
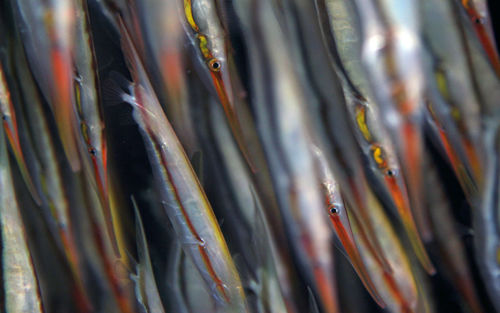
x: 249, y: 156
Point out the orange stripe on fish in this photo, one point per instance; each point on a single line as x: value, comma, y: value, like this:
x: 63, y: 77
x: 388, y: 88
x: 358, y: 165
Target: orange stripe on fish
x: 352, y: 251
x: 369, y: 233
x: 401, y: 201
x: 326, y: 288
x: 201, y: 243
x: 63, y: 107
x: 231, y: 115
x: 482, y: 34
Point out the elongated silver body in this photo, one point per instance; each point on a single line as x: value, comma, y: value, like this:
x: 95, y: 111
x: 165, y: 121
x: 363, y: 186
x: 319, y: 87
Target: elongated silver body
x: 19, y: 281
x: 180, y: 192
x: 47, y: 30
x: 285, y: 133
x: 487, y: 218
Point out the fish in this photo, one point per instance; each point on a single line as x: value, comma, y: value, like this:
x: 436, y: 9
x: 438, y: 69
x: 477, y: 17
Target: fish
x: 53, y: 193
x: 370, y: 133
x: 453, y: 253
x: 19, y: 281
x: 56, y: 196
x: 87, y: 104
x: 486, y: 219
x: 9, y: 122
x: 206, y: 34
x: 8, y: 113
x: 110, y: 266
x: 169, y: 65
x: 453, y: 102
x: 484, y: 78
x: 385, y: 167
x: 338, y: 214
x: 326, y: 106
x: 285, y: 133
x: 47, y: 32
x: 146, y: 289
x: 398, y: 289
x: 391, y: 53
x: 477, y: 11
x: 260, y: 175
x: 272, y: 296
x: 173, y: 278
x: 181, y: 195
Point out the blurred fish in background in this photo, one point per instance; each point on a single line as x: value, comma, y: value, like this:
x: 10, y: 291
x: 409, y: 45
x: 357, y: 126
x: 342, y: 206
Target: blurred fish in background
x: 260, y: 156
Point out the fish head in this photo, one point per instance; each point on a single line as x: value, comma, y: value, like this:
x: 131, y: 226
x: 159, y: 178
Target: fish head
x: 219, y: 73
x: 389, y: 171
x: 98, y: 157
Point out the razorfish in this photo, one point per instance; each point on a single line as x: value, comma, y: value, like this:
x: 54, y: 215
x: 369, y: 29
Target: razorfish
x: 50, y: 176
x: 485, y: 79
x: 322, y: 87
x: 206, y: 34
x: 146, y: 290
x: 9, y: 122
x: 477, y: 11
x: 386, y: 169
x: 47, y: 32
x: 87, y: 105
x: 453, y: 103
x: 370, y: 133
x: 19, y: 280
x: 286, y: 145
x: 339, y: 219
x: 260, y: 255
x: 8, y: 113
x: 170, y: 62
x: 55, y: 194
x: 486, y: 217
x: 181, y: 195
x: 392, y: 56
x: 270, y: 294
x: 398, y: 289
x: 173, y: 281
x: 448, y: 240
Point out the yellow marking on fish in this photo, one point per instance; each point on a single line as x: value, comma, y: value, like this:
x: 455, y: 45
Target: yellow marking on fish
x: 204, y: 46
x: 48, y: 18
x: 442, y: 83
x: 361, y: 122
x: 78, y: 98
x: 378, y: 155
x: 85, y: 132
x: 455, y: 113
x: 188, y: 11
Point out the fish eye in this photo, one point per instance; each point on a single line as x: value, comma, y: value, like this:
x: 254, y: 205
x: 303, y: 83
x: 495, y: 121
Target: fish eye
x: 4, y: 117
x: 390, y: 172
x: 478, y: 20
x: 214, y: 65
x: 334, y: 209
x: 92, y: 151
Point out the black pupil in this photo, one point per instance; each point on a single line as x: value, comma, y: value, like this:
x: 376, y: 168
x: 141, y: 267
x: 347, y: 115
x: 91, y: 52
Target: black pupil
x: 390, y: 173
x: 215, y: 65
x: 4, y: 117
x: 478, y: 20
x: 334, y: 210
x: 92, y: 151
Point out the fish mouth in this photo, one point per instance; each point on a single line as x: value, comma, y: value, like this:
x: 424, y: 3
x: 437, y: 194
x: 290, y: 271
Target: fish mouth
x: 400, y: 198
x: 347, y: 240
x: 231, y: 116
